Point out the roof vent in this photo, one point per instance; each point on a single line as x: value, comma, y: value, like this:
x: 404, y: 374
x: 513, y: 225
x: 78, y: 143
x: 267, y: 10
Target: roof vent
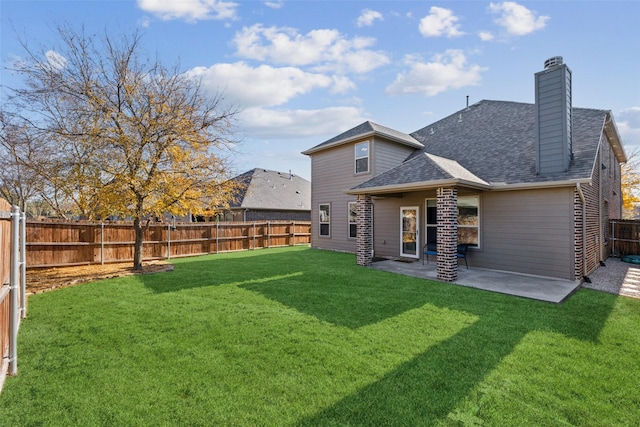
x: 553, y: 62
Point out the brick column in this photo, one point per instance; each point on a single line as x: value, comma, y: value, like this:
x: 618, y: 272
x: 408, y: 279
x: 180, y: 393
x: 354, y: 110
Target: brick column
x: 364, y: 227
x: 447, y: 206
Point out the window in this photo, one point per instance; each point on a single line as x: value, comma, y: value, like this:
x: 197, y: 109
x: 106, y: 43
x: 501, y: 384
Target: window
x: 362, y: 157
x: 353, y: 216
x: 432, y: 221
x: 325, y: 219
x: 468, y: 220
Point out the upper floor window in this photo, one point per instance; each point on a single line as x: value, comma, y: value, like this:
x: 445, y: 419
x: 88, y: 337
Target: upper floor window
x: 362, y: 157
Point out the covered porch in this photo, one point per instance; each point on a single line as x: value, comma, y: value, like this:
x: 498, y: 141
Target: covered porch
x: 542, y: 288
x: 425, y: 172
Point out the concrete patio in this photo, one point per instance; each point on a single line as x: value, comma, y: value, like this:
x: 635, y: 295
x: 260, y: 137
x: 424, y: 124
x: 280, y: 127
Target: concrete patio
x: 541, y: 288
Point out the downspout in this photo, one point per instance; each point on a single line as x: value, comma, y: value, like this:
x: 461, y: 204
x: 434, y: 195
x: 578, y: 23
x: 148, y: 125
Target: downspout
x: 600, y: 208
x: 584, y: 229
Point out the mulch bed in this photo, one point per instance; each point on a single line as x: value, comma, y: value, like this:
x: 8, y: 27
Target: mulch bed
x: 48, y: 279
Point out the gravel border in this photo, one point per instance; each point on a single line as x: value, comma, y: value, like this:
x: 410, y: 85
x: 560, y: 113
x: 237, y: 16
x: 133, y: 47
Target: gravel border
x: 616, y: 277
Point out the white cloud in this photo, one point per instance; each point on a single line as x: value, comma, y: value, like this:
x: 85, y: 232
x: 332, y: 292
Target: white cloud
x: 324, y: 49
x: 269, y: 123
x: 440, y: 22
x: 446, y: 71
x: 368, y: 17
x: 342, y: 84
x: 246, y: 87
x: 189, y: 10
x: 628, y: 123
x: 485, y: 36
x: 274, y: 4
x: 55, y: 60
x: 516, y: 19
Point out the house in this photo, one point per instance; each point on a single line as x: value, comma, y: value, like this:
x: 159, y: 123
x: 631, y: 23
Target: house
x: 529, y: 187
x: 267, y: 195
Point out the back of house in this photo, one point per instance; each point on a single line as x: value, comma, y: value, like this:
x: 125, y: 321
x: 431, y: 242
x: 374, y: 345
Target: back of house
x: 529, y: 188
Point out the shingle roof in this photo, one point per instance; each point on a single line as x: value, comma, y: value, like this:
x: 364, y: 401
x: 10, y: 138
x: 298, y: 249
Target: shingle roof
x: 267, y: 189
x: 495, y: 142
x: 365, y: 129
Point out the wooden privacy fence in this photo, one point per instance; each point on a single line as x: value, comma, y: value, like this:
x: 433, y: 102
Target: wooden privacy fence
x: 51, y: 244
x: 13, y: 302
x: 624, y: 237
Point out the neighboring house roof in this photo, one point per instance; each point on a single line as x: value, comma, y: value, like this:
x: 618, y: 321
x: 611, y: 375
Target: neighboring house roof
x: 364, y: 130
x: 493, y: 143
x: 272, y: 190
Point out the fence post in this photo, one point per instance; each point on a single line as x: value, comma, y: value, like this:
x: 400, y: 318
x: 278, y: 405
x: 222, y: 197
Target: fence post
x: 254, y: 234
x: 293, y: 234
x: 217, y: 234
x: 168, y: 241
x: 23, y: 265
x: 13, y: 292
x: 102, y: 243
x: 268, y: 234
x: 613, y: 238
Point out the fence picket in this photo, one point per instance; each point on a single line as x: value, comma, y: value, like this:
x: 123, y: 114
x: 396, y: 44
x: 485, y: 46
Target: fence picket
x: 49, y: 244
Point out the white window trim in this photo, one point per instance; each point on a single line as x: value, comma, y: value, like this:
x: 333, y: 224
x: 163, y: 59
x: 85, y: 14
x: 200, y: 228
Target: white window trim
x: 349, y: 236
x: 320, y: 223
x: 356, y: 158
x: 427, y: 225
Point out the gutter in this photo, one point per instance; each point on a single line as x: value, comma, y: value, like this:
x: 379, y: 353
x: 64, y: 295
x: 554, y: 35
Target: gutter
x: 417, y: 186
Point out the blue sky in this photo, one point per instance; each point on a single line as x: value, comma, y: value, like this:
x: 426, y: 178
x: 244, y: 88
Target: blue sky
x: 301, y: 72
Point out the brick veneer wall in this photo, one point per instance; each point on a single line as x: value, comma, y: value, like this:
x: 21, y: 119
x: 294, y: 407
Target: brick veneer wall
x: 592, y: 221
x: 447, y: 205
x: 364, y: 227
x: 266, y: 215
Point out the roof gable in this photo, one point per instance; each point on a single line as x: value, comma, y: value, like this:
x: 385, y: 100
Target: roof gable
x: 423, y: 168
x: 364, y: 130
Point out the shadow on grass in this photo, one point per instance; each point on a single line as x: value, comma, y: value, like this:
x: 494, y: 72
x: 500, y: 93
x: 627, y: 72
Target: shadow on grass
x: 426, y: 388
x: 326, y: 285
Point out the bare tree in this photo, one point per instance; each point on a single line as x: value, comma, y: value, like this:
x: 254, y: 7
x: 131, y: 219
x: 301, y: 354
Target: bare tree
x: 126, y: 135
x: 19, y: 150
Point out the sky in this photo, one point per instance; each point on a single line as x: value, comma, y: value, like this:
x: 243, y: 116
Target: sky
x: 301, y: 72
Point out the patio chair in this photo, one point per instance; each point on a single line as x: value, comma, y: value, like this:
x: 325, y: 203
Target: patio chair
x: 432, y: 249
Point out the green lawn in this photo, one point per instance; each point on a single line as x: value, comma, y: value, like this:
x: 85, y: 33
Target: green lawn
x: 296, y: 336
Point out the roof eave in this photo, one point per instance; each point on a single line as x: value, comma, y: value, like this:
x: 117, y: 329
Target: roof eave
x: 539, y: 185
x: 425, y: 185
x: 416, y: 145
x: 416, y: 186
x: 611, y: 130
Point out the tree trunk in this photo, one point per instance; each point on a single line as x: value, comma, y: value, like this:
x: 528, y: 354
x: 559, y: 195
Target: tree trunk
x: 137, y: 247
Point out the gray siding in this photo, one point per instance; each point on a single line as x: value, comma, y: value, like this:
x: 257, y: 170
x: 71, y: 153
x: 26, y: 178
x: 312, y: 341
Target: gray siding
x: 388, y: 155
x: 332, y: 173
x: 528, y: 232
x: 553, y: 120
